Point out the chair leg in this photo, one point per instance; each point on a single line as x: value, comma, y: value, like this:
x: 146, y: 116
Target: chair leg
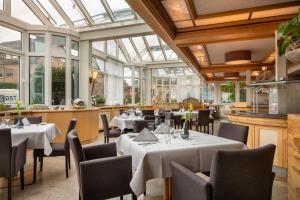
x: 66, y: 165
x: 69, y: 160
x: 9, y: 188
x: 133, y: 197
x: 212, y: 128
x: 107, y: 139
x: 41, y: 163
x: 121, y: 197
x: 34, y: 168
x: 22, y: 178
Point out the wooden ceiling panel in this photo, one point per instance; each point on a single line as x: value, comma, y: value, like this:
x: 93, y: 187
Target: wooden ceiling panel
x: 275, y: 12
x: 223, y: 19
x: 176, y: 9
x: 184, y: 24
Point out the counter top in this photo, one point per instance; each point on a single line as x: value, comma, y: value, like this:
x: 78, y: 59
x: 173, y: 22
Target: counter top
x: 258, y: 115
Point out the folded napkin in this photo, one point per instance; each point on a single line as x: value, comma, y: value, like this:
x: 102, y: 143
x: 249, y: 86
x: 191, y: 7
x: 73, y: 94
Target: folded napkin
x: 132, y: 115
x: 124, y: 116
x: 25, y: 122
x: 144, y: 136
x: 162, y: 129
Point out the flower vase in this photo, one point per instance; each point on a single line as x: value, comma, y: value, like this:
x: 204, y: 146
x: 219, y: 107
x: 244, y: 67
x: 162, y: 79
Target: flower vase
x: 185, y: 131
x: 19, y: 123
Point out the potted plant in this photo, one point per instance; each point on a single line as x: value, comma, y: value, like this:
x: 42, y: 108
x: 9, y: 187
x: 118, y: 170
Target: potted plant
x: 289, y: 39
x: 19, y: 124
x: 100, y: 101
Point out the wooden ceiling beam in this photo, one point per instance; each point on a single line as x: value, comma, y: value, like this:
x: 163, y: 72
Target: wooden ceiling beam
x: 249, y: 10
x: 241, y: 78
x: 236, y: 33
x: 228, y: 68
x: 191, y: 8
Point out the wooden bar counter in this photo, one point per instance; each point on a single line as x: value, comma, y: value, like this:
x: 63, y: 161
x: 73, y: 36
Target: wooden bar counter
x: 265, y: 129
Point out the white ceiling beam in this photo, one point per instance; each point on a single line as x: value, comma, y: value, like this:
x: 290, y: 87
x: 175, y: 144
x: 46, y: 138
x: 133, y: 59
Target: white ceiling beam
x: 116, y: 33
x: 35, y: 9
x: 148, y: 48
x: 7, y: 7
x: 108, y: 10
x: 135, y: 49
x: 62, y: 13
x: 84, y: 12
x: 162, y: 49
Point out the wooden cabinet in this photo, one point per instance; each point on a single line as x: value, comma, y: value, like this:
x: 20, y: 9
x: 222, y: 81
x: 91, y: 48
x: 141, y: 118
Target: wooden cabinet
x: 263, y: 131
x: 294, y: 157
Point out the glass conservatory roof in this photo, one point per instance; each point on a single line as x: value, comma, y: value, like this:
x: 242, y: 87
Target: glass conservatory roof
x: 138, y: 49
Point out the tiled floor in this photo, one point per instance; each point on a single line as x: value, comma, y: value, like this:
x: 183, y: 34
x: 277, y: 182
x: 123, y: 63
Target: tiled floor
x: 53, y: 185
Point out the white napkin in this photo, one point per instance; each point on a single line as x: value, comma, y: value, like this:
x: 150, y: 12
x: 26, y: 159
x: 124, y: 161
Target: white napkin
x: 162, y: 129
x: 132, y: 115
x: 144, y: 136
x: 25, y: 122
x: 124, y: 116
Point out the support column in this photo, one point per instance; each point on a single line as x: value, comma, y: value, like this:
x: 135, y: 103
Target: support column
x: 85, y: 65
x: 148, y: 87
x: 132, y: 81
x: 280, y: 63
x: 216, y: 92
x: 24, y: 72
x: 68, y: 72
x: 237, y: 91
x: 48, y: 71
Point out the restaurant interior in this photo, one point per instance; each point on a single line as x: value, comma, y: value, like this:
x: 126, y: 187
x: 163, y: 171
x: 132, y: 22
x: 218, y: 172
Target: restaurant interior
x: 150, y: 99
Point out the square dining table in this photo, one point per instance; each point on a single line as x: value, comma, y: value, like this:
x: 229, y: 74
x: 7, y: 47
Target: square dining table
x: 39, y: 136
x: 124, y: 122
x: 151, y: 160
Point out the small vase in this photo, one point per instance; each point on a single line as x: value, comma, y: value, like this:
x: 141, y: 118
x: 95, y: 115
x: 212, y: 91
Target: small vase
x: 185, y: 131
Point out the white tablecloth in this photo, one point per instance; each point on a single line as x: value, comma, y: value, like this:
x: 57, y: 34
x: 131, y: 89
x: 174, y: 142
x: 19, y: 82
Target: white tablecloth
x: 39, y: 136
x: 124, y: 123
x: 153, y: 161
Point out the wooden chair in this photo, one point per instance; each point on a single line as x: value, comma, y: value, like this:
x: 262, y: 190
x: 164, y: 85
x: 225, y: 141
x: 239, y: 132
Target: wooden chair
x: 108, y: 133
x: 234, y: 132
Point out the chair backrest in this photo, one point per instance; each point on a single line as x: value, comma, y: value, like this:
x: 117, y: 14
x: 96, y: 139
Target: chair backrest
x: 77, y: 151
x: 148, y: 112
x: 121, y: 111
x: 5, y: 152
x: 175, y: 109
x: 72, y: 125
x: 161, y: 111
x: 234, y: 132
x: 168, y: 115
x: 177, y: 120
x: 139, y: 125
x: 149, y: 117
x: 105, y: 125
x: 243, y: 174
x: 31, y: 119
x: 203, y: 117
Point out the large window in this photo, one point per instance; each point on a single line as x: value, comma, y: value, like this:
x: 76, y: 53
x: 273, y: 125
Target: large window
x: 98, y: 90
x: 58, y: 45
x: 1, y: 5
x: 137, y: 90
x: 127, y: 91
x: 37, y: 43
x: 37, y: 79
x: 10, y: 38
x: 9, y: 78
x: 228, y: 92
x: 75, y: 79
x: 75, y: 48
x: 58, y: 81
x: 112, y: 48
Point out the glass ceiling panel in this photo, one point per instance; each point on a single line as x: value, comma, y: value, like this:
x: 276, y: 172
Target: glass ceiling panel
x: 155, y: 47
x: 121, y: 56
x: 141, y: 47
x: 96, y: 11
x: 120, y: 9
x: 20, y: 11
x: 130, y: 49
x: 99, y: 45
x: 50, y: 12
x: 170, y: 54
x: 72, y: 11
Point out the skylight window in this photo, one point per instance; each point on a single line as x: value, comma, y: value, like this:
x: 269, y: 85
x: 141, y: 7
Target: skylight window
x: 96, y: 10
x: 141, y: 47
x: 155, y: 47
x: 130, y: 49
x: 20, y: 11
x: 50, y: 12
x: 71, y: 10
x: 121, y: 9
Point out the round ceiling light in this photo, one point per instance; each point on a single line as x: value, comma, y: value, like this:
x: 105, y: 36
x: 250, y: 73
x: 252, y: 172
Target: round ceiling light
x: 238, y: 57
x: 231, y: 75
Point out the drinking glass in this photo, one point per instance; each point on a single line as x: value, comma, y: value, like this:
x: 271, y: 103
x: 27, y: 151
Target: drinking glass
x: 168, y: 138
x: 7, y: 118
x: 157, y: 121
x: 170, y: 123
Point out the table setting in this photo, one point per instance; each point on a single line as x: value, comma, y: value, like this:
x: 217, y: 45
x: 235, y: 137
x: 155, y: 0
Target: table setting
x: 152, y: 152
x: 125, y: 121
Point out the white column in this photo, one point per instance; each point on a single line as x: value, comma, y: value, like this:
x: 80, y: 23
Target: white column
x: 280, y: 63
x: 148, y: 87
x: 132, y: 81
x: 24, y: 71
x: 68, y: 72
x: 48, y: 71
x: 85, y: 65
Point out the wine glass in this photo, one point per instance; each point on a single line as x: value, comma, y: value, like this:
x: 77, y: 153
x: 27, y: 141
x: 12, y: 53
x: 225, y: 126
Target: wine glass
x: 6, y: 117
x: 171, y: 125
x: 157, y: 121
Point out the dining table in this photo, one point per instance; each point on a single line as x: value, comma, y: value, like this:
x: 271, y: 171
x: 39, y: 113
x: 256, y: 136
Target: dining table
x: 39, y: 136
x: 183, y: 113
x: 151, y: 160
x: 126, y: 122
